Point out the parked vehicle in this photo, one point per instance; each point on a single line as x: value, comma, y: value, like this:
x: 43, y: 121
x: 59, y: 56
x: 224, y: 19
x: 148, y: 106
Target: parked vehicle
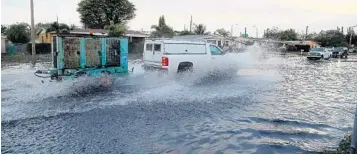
x: 175, y: 56
x: 340, y: 52
x: 319, y: 53
x: 353, y: 50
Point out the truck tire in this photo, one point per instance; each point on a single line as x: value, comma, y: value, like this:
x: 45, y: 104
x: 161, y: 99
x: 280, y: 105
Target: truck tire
x: 184, y: 67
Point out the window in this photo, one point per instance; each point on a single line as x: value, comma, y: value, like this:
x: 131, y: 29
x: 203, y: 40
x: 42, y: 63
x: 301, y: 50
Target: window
x: 157, y: 47
x: 219, y: 43
x: 215, y: 50
x: 148, y: 47
x: 212, y: 42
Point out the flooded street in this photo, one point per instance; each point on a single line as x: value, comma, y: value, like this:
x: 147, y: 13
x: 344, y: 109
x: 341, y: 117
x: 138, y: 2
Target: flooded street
x: 275, y: 104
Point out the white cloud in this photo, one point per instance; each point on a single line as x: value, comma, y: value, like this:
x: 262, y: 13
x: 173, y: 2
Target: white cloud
x: 318, y: 14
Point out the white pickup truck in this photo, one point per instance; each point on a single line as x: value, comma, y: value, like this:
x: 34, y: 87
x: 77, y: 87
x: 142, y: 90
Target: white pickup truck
x: 174, y: 56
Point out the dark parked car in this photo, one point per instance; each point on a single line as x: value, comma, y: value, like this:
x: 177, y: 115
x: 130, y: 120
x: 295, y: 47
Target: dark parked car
x: 339, y: 52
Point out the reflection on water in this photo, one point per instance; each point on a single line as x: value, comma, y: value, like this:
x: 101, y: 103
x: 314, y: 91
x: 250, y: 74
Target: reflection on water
x: 275, y: 104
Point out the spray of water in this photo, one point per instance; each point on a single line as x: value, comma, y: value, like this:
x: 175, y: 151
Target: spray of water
x: 24, y: 93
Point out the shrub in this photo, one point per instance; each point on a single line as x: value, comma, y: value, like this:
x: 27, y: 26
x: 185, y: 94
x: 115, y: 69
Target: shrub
x: 41, y: 48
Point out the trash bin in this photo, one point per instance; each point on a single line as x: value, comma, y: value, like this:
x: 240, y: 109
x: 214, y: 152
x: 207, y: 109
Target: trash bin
x: 11, y: 49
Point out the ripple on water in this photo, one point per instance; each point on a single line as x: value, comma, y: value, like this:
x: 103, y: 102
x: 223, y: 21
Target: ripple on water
x: 276, y: 104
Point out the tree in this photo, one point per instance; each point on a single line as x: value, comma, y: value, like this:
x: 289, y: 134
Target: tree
x: 288, y: 35
x: 353, y: 39
x: 331, y: 38
x: 97, y: 14
x: 184, y: 32
x: 19, y: 33
x: 272, y: 33
x: 311, y: 36
x: 116, y: 30
x: 222, y: 32
x: 162, y: 30
x: 200, y: 29
x: 58, y: 28
x: 72, y: 27
x: 3, y: 29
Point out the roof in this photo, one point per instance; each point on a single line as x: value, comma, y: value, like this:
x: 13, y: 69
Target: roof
x: 129, y: 33
x: 198, y: 37
x: 179, y: 41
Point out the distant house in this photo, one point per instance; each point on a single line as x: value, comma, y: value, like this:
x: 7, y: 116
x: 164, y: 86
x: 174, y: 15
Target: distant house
x: 220, y: 41
x: 302, y: 45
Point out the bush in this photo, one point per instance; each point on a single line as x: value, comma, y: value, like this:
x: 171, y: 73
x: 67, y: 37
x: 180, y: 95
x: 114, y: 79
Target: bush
x: 41, y: 48
x: 18, y: 33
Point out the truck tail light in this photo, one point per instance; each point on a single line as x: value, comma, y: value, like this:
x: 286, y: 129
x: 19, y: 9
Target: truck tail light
x: 165, y: 61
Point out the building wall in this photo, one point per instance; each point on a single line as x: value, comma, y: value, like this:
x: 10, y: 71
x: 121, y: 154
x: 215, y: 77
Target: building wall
x: 136, y: 45
x: 4, y: 43
x: 45, y: 37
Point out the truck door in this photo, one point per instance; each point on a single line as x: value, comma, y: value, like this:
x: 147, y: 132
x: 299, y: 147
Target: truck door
x: 216, y: 52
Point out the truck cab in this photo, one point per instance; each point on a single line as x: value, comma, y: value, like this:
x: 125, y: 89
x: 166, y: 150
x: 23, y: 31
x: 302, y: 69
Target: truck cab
x: 175, y: 56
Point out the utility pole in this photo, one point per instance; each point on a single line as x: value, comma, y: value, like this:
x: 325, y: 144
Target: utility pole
x: 245, y: 32
x: 307, y: 28
x: 232, y: 31
x: 33, y: 35
x: 256, y: 30
x: 350, y: 29
x: 191, y: 24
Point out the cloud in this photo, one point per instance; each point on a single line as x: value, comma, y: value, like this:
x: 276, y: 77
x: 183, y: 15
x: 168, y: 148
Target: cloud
x: 296, y: 14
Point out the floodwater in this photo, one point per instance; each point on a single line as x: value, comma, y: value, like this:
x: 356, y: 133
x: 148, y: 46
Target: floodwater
x: 275, y: 104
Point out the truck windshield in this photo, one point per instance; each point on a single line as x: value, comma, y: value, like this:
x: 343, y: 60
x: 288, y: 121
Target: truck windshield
x: 317, y: 49
x: 215, y: 50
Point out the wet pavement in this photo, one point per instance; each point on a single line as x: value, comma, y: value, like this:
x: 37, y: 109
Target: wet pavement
x: 275, y: 104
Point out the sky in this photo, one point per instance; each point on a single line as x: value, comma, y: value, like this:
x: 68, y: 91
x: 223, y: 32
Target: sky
x: 297, y: 14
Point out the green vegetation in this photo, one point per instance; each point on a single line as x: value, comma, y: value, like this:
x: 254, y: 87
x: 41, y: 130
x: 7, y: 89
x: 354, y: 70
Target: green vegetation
x: 286, y: 35
x: 116, y: 30
x: 222, y: 32
x: 162, y: 30
x: 184, y: 32
x: 96, y: 14
x: 58, y: 28
x: 200, y: 29
x: 331, y: 38
x: 19, y: 33
x: 3, y: 29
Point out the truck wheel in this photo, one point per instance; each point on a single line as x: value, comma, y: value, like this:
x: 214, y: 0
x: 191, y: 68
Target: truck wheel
x: 184, y: 67
x: 106, y: 80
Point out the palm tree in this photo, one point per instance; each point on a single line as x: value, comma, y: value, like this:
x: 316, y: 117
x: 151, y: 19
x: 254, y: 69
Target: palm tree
x: 222, y: 32
x: 200, y: 29
x: 73, y: 27
x: 162, y: 30
x: 58, y: 28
